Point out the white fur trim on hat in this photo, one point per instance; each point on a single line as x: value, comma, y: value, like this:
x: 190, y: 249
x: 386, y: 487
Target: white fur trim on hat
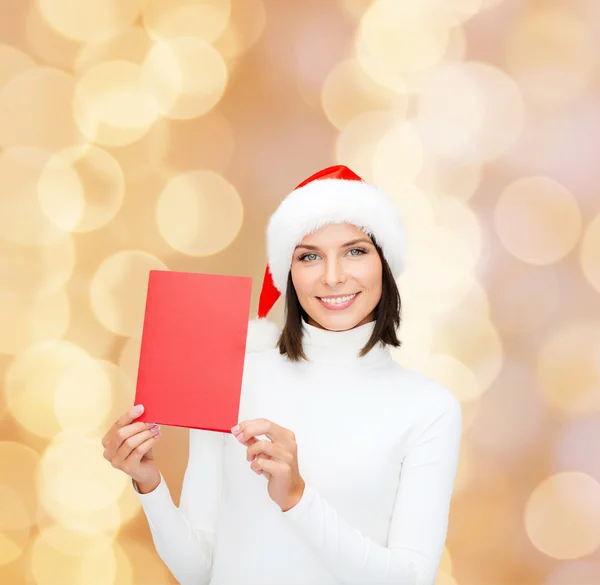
x: 325, y: 201
x: 262, y: 335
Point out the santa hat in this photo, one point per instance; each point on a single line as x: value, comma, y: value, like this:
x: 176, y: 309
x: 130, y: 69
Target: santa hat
x: 333, y: 195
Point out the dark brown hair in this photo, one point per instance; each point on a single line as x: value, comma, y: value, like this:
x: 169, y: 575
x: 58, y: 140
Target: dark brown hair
x: 387, y: 316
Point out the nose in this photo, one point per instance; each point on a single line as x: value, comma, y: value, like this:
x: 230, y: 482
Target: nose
x: 333, y: 273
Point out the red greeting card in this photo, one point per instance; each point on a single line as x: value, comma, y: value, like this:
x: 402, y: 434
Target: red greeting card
x: 193, y: 348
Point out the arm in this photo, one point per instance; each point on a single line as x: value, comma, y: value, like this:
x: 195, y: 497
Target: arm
x: 418, y: 525
x: 184, y: 537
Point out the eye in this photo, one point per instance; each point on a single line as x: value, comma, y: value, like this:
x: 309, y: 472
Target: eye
x: 305, y: 256
x: 360, y: 250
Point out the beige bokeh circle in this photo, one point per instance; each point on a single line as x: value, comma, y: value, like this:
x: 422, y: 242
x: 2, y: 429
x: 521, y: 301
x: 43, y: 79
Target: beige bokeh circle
x: 568, y: 368
x: 112, y: 106
x: 81, y: 188
x: 35, y: 110
x: 91, y: 20
x: 31, y: 382
x: 199, y: 213
x: 470, y: 112
x: 12, y: 62
x: 562, y: 515
x: 349, y: 92
x: 186, y: 77
x: 537, y: 220
x: 118, y: 290
x: 60, y: 556
x: 589, y: 253
x: 203, y: 19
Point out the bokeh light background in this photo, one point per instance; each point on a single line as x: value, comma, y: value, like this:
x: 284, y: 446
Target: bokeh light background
x: 144, y: 134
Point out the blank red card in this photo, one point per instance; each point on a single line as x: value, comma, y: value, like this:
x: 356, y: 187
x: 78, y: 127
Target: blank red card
x: 193, y: 348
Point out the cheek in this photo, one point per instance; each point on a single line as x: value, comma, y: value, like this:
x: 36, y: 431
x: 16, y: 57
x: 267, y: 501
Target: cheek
x: 302, y: 281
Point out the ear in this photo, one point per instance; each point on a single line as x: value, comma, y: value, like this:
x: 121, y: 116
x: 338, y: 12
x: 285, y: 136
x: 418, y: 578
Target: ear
x: 262, y: 335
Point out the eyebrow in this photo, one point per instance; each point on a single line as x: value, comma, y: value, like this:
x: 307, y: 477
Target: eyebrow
x: 350, y: 243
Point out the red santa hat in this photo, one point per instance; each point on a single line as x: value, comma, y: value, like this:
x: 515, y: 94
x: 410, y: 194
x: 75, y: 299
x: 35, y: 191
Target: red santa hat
x: 333, y: 195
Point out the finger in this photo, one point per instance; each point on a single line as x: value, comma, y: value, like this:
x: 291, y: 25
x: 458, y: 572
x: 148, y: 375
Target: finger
x: 131, y: 444
x: 127, y: 417
x: 135, y: 456
x: 263, y: 426
x: 266, y: 448
x: 116, y: 438
x: 265, y: 466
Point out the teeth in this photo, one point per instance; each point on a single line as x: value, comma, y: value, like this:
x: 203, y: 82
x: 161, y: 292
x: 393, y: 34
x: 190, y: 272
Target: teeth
x: 339, y: 300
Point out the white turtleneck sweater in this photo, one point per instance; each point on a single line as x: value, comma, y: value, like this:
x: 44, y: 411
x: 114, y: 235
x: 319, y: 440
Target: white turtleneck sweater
x: 378, y: 448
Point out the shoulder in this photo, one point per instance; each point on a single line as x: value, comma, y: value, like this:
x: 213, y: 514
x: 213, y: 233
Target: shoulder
x: 429, y: 396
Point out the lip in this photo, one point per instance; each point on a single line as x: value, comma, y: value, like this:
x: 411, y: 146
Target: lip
x: 338, y: 307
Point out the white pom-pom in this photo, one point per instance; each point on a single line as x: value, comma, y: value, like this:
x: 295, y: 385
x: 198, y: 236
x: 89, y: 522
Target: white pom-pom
x: 262, y: 335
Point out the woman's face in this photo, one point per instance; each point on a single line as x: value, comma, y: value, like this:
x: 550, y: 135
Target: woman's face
x: 336, y: 262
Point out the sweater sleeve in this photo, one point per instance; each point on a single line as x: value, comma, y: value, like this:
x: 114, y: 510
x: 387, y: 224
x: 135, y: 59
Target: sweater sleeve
x: 184, y: 536
x: 418, y: 524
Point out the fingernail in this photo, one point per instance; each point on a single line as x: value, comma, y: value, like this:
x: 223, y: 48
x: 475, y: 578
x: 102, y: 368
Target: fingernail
x: 155, y: 429
x: 236, y: 429
x: 150, y: 424
x: 139, y: 408
x: 239, y: 436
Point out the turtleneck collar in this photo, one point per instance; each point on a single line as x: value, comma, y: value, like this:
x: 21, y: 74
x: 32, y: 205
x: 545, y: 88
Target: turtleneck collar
x: 341, y: 347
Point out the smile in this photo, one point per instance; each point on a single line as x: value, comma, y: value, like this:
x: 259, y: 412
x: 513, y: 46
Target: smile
x: 337, y: 303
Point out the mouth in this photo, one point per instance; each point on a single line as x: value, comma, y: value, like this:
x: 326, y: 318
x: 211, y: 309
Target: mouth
x: 339, y: 302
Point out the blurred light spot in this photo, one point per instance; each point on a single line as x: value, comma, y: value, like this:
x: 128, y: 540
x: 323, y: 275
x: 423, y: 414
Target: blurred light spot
x: 246, y: 25
x: 567, y: 368
x: 31, y: 382
x: 186, y: 75
x: 45, y: 43
x: 523, y: 297
x: 470, y: 112
x: 537, y: 220
x: 199, y: 213
x: 572, y: 450
x: 454, y: 375
x: 15, y: 521
x: 396, y: 37
x: 18, y: 471
x: 355, y: 8
x: 118, y: 290
x: 467, y: 334
x: 398, y: 153
x: 416, y: 334
x: 28, y: 318
x: 66, y: 557
x: 149, y: 569
x: 12, y: 62
x: 446, y: 561
x: 589, y: 253
x: 550, y: 47
x: 33, y: 270
x: 131, y: 46
x: 357, y: 143
x: 78, y: 409
x: 348, y: 92
x: 21, y: 219
x: 91, y: 20
x: 444, y: 578
x: 447, y: 177
x: 129, y: 358
x: 460, y: 219
x: 81, y: 189
x: 451, y: 13
x: 35, y: 110
x: 92, y: 484
x: 111, y: 105
x: 562, y: 516
x: 205, y: 19
x: 579, y: 573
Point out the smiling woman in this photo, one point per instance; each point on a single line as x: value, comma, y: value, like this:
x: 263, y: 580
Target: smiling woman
x: 349, y: 459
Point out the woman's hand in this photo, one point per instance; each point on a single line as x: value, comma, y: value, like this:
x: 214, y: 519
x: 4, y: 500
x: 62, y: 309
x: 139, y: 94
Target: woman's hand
x: 128, y: 447
x: 276, y: 459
